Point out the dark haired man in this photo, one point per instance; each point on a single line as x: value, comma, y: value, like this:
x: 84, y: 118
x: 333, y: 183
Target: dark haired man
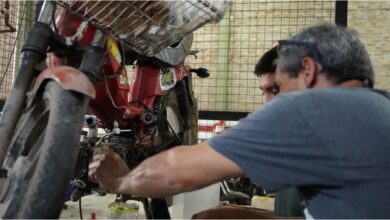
x: 265, y: 71
x: 287, y: 201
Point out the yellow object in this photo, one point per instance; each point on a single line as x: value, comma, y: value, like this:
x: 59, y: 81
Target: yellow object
x: 113, y: 48
x: 122, y: 210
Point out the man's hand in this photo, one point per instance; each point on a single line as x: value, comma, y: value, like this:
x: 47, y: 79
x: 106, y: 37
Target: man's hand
x: 108, y: 169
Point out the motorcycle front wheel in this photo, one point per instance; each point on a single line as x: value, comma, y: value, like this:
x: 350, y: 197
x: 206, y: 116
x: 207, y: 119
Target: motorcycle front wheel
x: 42, y: 155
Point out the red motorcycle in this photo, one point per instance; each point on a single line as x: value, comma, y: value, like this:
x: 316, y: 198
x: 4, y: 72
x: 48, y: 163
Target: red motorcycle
x: 90, y: 43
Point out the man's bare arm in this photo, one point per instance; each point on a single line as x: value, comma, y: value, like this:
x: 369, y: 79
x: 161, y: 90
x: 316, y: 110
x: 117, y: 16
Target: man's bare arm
x: 181, y: 169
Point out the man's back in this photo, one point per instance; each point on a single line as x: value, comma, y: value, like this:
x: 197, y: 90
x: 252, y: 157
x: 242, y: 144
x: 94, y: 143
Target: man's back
x: 331, y: 143
x: 354, y: 129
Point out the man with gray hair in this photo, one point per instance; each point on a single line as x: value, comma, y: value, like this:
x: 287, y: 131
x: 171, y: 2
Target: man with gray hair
x: 326, y: 133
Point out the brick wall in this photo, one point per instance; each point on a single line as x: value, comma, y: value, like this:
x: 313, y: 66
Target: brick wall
x: 21, y: 15
x: 372, y: 20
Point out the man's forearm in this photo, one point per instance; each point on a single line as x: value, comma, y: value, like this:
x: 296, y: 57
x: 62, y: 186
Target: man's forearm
x: 156, y: 177
x: 180, y: 169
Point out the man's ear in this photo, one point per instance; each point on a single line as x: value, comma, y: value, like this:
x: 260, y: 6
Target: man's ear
x: 309, y: 71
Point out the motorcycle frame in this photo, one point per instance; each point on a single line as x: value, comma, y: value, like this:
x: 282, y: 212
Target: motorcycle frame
x: 115, y: 100
x: 94, y: 65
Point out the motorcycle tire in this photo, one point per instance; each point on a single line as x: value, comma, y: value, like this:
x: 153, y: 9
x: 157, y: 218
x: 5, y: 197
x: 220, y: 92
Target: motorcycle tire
x: 174, y: 123
x: 42, y: 155
x: 176, y: 128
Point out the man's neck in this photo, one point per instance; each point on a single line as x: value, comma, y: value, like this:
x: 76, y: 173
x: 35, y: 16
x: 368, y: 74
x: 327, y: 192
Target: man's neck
x: 351, y: 83
x: 323, y: 82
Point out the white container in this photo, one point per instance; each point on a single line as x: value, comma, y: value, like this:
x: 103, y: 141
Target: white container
x: 263, y: 202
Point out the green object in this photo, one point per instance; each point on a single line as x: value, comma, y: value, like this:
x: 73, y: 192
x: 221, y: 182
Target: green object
x: 288, y: 203
x: 223, y: 63
x: 122, y: 210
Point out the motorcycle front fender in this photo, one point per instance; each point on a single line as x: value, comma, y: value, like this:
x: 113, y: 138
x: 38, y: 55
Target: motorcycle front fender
x: 69, y: 78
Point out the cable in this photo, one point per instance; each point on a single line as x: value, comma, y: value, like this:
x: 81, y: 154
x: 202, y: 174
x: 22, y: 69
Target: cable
x: 54, y: 22
x: 80, y: 210
x: 110, y: 96
x: 173, y: 131
x: 170, y: 127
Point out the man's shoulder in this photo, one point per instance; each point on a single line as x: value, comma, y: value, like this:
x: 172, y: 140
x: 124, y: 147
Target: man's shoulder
x: 336, y: 93
x: 331, y: 100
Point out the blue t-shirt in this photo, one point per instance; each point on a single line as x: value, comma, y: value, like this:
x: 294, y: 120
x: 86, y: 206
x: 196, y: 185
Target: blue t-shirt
x: 333, y: 144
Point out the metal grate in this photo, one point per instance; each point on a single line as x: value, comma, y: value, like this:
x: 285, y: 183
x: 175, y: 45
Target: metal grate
x: 231, y: 48
x: 12, y: 32
x: 149, y: 26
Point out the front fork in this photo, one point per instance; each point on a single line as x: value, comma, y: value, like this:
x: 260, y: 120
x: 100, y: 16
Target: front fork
x: 34, y: 51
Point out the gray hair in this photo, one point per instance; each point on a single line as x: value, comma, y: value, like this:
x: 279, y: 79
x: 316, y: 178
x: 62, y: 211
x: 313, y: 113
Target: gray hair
x: 337, y: 48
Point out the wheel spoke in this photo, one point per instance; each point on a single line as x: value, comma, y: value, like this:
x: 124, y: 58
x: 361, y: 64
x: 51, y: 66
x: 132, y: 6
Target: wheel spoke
x: 36, y: 149
x: 173, y: 120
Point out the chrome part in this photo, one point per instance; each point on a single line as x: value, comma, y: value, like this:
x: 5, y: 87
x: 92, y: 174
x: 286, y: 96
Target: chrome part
x: 47, y: 11
x: 98, y: 39
x: 91, y: 122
